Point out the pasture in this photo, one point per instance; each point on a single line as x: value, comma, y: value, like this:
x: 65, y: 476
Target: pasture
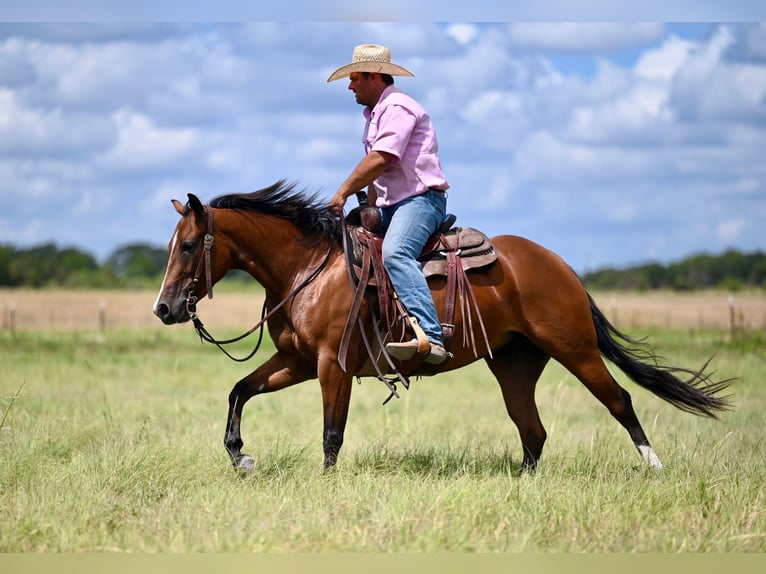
x: 112, y: 428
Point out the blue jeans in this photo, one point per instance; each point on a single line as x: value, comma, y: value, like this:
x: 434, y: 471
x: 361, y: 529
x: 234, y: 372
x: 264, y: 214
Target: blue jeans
x: 409, y: 224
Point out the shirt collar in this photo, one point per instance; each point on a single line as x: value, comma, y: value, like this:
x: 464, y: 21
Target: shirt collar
x: 368, y: 111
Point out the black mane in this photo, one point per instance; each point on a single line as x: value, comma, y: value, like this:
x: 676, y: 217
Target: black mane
x: 308, y: 213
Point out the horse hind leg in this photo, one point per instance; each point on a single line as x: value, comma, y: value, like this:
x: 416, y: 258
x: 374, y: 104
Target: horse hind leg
x: 574, y: 344
x: 593, y: 373
x: 517, y: 368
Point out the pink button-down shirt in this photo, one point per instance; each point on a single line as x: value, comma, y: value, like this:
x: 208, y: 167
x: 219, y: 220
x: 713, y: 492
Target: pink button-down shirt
x: 400, y: 126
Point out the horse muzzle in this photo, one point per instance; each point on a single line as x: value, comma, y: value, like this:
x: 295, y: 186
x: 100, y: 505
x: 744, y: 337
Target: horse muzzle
x: 172, y: 312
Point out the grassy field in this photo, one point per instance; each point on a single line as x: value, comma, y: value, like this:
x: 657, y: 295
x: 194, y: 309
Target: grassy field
x: 111, y: 441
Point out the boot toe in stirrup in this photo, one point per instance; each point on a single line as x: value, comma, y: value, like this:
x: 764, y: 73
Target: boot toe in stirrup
x: 437, y: 355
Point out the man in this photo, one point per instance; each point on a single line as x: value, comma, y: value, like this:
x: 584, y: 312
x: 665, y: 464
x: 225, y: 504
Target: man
x: 403, y: 175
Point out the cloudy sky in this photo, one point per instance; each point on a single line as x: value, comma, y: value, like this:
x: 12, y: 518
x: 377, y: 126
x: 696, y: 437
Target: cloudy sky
x: 611, y: 143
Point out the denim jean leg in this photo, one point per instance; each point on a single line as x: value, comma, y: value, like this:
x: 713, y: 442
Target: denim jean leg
x: 410, y: 223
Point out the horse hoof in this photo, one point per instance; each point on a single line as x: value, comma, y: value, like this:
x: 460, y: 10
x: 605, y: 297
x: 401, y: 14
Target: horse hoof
x: 245, y: 464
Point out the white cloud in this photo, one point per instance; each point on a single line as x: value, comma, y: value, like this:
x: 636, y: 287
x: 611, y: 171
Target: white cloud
x: 582, y: 36
x: 755, y: 41
x: 16, y: 123
x: 730, y: 230
x: 462, y: 33
x: 33, y: 131
x: 711, y: 87
x: 664, y: 62
x: 141, y: 144
x: 492, y: 104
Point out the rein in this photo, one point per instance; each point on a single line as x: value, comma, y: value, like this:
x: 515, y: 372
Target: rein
x: 191, y: 299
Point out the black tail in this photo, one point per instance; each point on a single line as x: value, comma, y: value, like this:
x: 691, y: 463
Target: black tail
x: 696, y: 395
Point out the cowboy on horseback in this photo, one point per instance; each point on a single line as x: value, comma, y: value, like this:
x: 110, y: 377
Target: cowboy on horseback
x: 403, y: 176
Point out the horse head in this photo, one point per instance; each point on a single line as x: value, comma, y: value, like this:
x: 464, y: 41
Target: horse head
x: 189, y: 275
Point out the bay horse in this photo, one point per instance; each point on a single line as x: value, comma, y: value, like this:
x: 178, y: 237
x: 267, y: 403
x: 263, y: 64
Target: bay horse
x: 533, y: 304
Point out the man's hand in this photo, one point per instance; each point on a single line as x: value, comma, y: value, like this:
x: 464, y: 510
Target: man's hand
x: 337, y: 203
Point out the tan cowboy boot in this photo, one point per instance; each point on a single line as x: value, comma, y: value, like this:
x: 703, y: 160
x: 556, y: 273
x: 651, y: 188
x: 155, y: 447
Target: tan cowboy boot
x: 406, y: 350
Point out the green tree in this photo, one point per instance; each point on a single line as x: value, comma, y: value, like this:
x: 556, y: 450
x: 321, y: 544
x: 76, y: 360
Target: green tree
x: 46, y: 265
x: 6, y: 256
x: 137, y: 261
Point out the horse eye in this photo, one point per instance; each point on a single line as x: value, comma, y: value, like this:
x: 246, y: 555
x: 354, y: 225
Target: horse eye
x: 187, y: 246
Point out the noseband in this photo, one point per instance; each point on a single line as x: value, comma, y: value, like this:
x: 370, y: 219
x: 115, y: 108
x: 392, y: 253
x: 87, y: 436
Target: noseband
x: 209, y: 239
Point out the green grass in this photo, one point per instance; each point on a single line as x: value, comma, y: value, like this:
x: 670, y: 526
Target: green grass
x: 114, y: 443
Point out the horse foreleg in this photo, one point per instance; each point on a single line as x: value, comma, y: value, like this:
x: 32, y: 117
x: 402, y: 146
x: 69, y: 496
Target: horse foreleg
x: 336, y: 396
x: 279, y: 372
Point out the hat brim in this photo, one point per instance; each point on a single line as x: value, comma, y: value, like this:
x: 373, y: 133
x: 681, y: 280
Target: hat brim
x: 373, y: 67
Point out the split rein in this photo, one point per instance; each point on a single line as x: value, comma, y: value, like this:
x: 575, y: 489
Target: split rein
x: 191, y: 299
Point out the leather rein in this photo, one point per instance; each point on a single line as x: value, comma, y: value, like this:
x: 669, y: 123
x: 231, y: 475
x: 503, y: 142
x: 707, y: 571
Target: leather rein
x: 191, y: 299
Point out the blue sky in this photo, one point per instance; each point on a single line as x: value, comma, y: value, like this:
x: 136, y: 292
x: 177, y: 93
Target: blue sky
x: 612, y: 142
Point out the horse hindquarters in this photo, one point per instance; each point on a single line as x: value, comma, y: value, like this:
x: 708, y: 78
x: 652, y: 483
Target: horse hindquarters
x: 556, y: 315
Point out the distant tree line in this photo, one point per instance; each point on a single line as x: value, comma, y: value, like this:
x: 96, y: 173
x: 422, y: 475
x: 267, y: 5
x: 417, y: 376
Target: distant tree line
x: 140, y: 264
x: 50, y: 266
x: 731, y: 270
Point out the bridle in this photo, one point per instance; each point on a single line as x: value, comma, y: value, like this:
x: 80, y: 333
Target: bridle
x: 209, y: 239
x: 191, y: 299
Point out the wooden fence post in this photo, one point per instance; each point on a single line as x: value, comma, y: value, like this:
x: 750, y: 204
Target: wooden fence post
x: 12, y: 317
x: 102, y: 315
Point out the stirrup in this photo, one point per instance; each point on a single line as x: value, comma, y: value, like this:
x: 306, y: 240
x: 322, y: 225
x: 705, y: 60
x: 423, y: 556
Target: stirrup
x: 424, y: 345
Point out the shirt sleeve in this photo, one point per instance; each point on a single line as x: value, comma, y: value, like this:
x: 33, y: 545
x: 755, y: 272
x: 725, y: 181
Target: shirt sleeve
x: 395, y: 126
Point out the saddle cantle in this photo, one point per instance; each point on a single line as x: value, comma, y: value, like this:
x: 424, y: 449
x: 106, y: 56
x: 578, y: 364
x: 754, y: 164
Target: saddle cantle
x: 471, y: 246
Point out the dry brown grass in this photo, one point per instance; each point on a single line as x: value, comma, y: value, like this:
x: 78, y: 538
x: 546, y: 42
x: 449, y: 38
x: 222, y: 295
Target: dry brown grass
x: 70, y: 310
x: 65, y: 310
x: 697, y: 310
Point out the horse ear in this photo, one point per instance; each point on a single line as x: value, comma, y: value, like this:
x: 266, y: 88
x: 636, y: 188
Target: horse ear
x: 180, y: 208
x: 196, y: 205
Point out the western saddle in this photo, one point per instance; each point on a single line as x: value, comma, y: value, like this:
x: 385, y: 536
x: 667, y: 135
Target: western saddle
x: 449, y: 253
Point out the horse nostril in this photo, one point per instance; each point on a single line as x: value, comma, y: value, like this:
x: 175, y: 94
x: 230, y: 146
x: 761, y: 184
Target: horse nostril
x: 162, y: 310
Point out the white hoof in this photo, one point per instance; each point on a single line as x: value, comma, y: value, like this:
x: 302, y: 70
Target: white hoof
x: 649, y: 456
x: 245, y: 464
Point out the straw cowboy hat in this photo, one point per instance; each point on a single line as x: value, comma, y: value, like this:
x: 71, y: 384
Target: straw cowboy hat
x: 370, y: 58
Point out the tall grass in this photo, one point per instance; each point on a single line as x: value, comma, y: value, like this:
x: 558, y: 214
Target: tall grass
x: 114, y: 443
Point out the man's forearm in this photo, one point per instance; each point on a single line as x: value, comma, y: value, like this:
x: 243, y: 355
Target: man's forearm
x: 367, y: 170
